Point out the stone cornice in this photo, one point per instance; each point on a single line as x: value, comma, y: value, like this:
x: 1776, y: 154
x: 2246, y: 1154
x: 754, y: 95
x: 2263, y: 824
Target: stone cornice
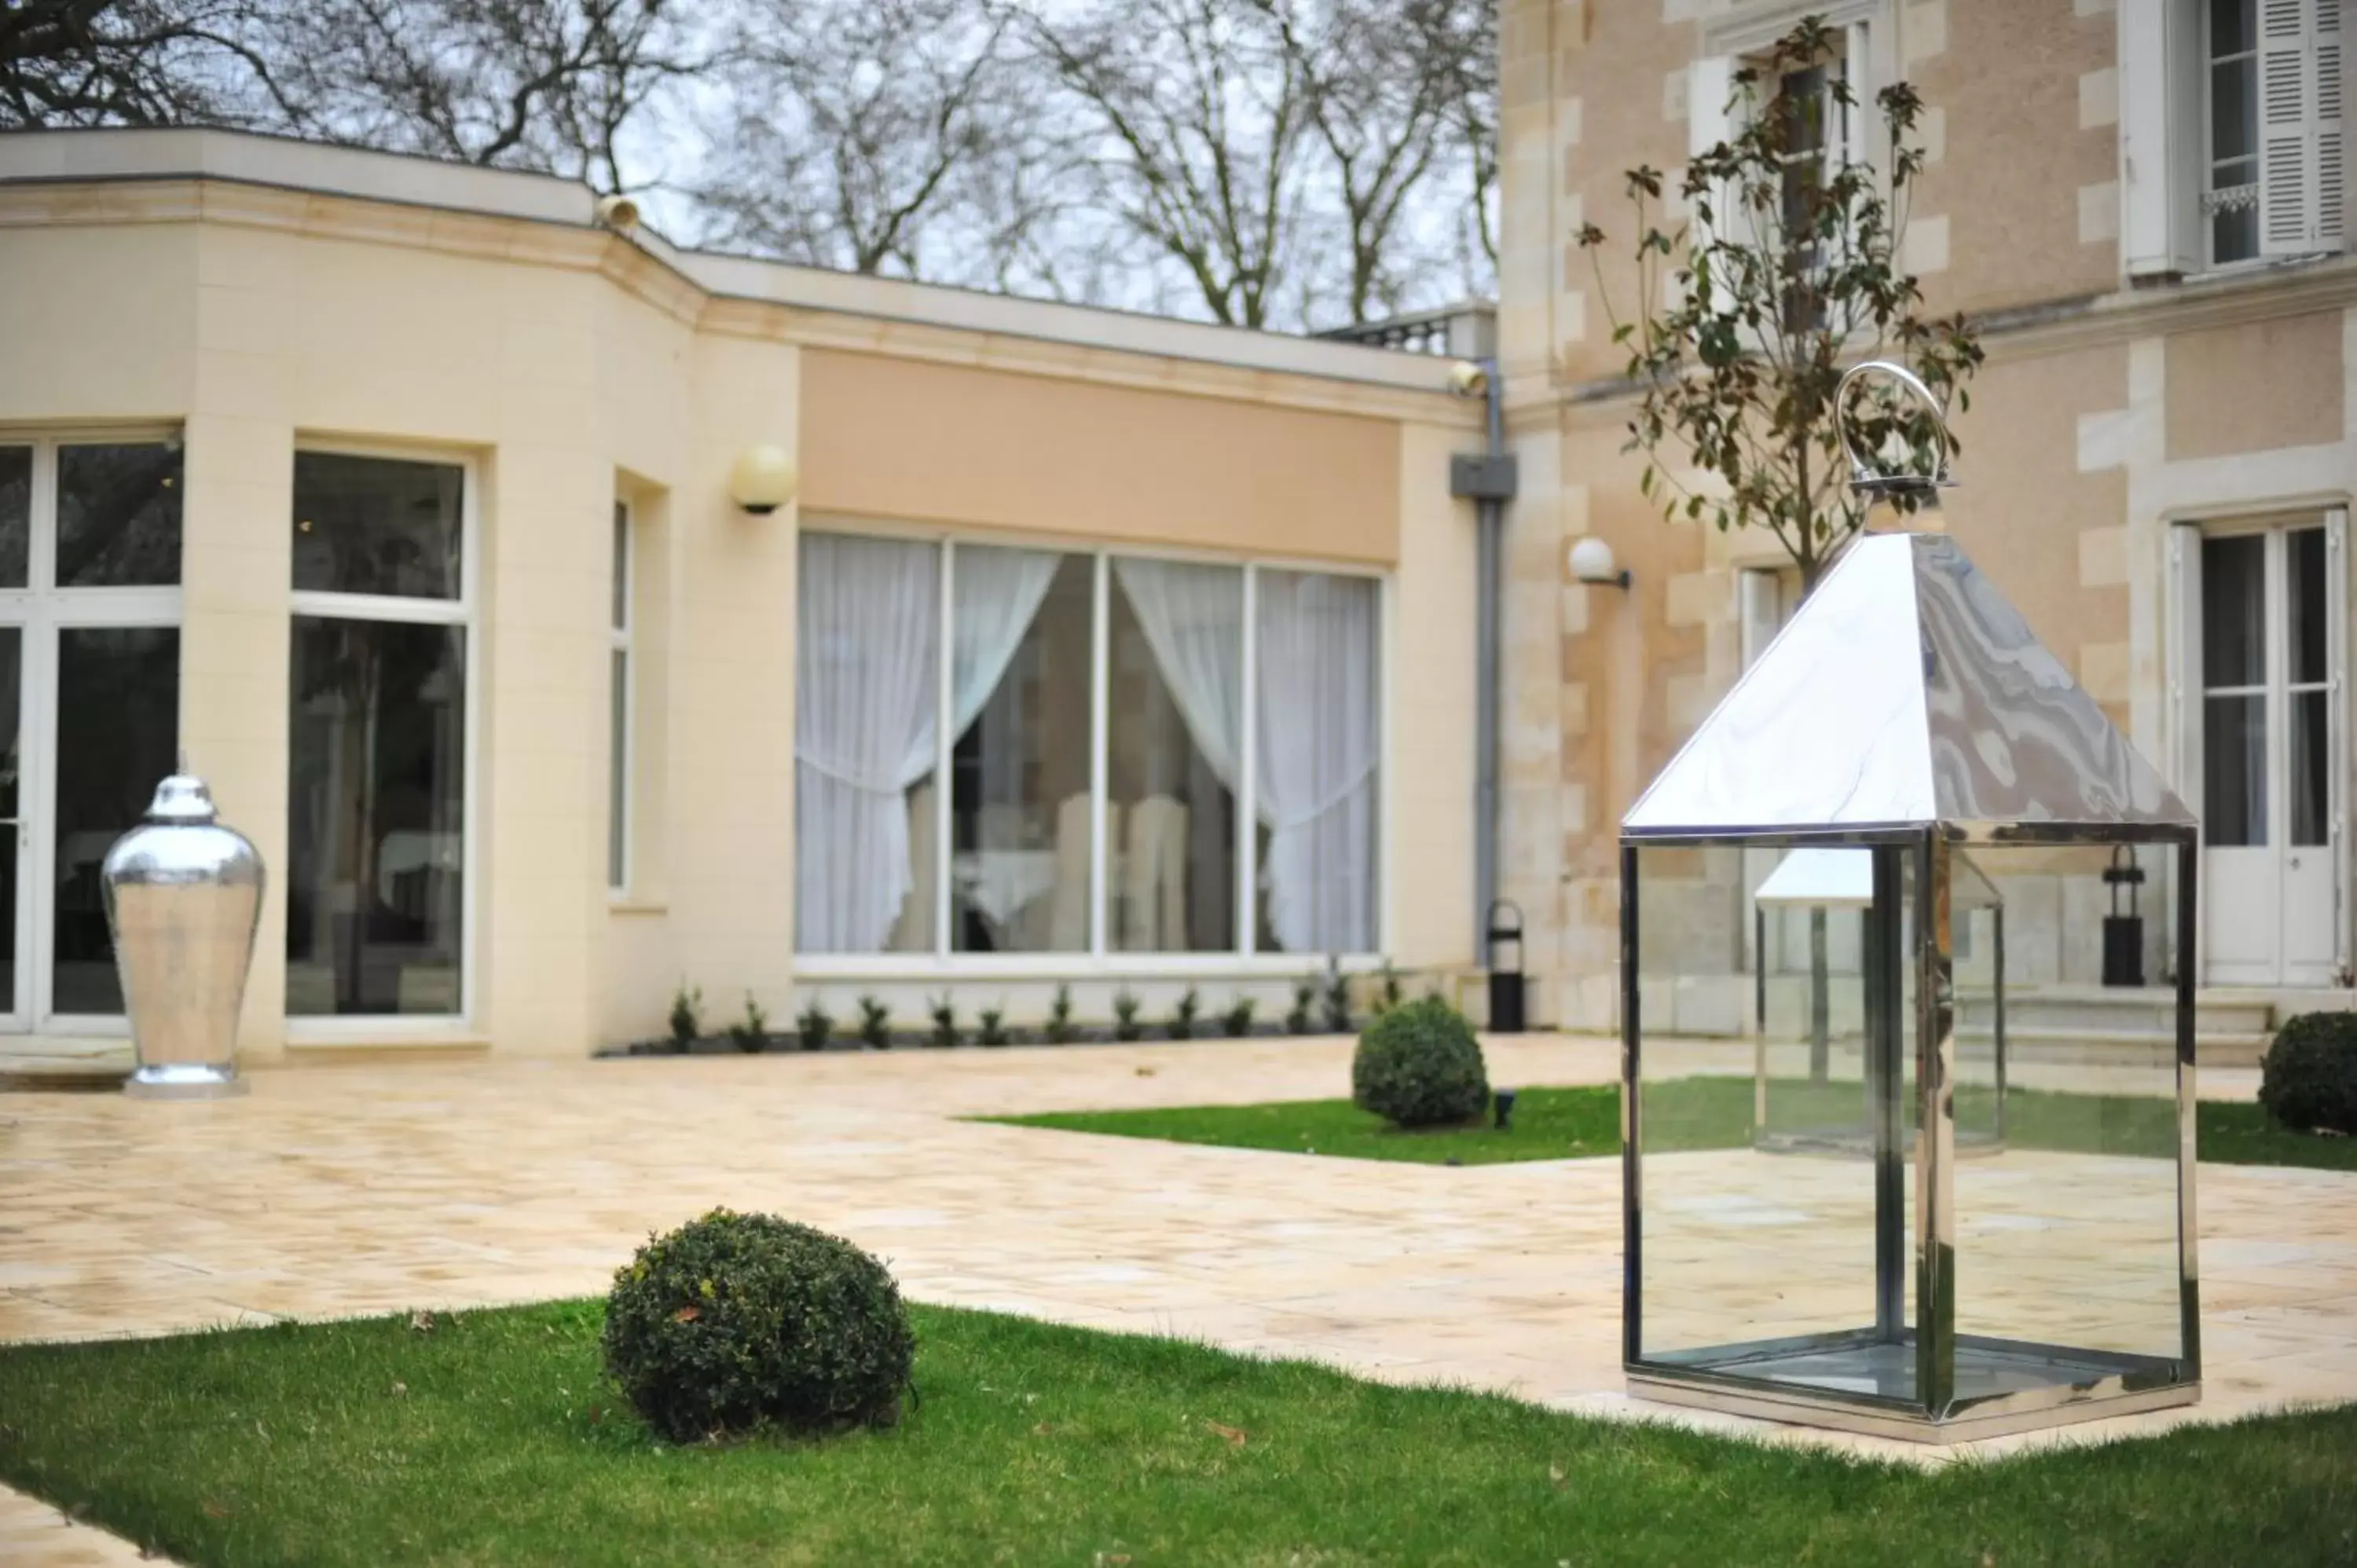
x: 2057, y: 326
x: 78, y: 180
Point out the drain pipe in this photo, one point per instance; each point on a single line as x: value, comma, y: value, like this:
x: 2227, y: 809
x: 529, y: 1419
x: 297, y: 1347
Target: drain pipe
x: 1489, y: 479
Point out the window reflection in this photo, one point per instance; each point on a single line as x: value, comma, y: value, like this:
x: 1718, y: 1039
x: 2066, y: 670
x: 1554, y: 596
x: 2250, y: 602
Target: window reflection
x: 118, y: 725
x: 376, y: 831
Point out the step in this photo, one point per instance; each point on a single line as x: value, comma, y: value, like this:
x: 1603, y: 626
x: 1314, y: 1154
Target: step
x: 2123, y: 1010
x: 2117, y: 1046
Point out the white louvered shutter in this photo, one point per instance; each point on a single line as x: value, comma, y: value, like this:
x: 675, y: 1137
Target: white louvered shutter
x: 2300, y: 161
x: 1710, y: 83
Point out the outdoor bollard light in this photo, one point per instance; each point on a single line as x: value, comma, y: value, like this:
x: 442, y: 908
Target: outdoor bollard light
x: 1874, y: 1251
x: 1504, y: 1102
x: 1507, y: 987
x: 2123, y: 929
x: 183, y: 894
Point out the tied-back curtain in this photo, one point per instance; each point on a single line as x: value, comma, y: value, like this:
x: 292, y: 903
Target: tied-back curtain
x: 1317, y: 739
x: 866, y: 683
x: 1193, y: 618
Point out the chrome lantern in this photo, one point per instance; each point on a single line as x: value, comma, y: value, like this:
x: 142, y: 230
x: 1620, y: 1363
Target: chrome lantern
x: 183, y: 895
x: 1902, y: 767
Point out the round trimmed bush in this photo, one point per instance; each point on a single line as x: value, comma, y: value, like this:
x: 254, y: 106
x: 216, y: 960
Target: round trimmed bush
x: 1419, y: 1065
x: 2309, y: 1081
x: 737, y: 1321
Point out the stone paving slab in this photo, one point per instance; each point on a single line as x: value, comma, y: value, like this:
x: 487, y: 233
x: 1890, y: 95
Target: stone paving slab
x: 371, y: 1187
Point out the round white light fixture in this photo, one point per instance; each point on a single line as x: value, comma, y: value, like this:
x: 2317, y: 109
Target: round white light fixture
x: 1592, y: 562
x: 762, y: 479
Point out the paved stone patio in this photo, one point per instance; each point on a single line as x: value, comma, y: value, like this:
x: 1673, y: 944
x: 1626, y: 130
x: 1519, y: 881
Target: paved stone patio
x: 374, y: 1187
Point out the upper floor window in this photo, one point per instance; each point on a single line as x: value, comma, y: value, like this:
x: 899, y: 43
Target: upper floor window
x: 2272, y: 124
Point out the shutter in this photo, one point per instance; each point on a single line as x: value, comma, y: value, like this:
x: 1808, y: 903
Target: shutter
x: 1710, y: 83
x: 2336, y: 652
x: 2297, y: 54
x: 2184, y: 633
x: 1857, y: 69
x: 1758, y: 611
x: 2331, y: 225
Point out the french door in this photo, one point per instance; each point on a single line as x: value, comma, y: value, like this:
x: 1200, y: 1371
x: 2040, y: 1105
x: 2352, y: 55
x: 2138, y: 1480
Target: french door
x: 2272, y: 754
x: 90, y: 610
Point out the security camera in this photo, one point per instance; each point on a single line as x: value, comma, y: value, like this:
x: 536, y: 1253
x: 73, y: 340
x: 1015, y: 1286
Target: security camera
x: 1467, y: 379
x: 618, y: 213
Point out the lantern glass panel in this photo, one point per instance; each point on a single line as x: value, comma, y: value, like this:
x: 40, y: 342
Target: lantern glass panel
x: 2067, y: 1237
x: 1775, y: 1243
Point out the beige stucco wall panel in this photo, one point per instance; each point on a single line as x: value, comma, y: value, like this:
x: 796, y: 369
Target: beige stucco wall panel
x: 948, y: 444
x: 2017, y: 157
x: 2024, y: 501
x: 96, y: 330
x: 730, y: 694
x: 1429, y: 819
x: 2255, y: 386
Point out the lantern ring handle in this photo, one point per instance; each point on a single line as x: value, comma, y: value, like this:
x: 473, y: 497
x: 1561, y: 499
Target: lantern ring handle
x: 1865, y: 475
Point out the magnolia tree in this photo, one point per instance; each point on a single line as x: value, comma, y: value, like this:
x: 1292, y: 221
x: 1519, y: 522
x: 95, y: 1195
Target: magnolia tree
x: 1784, y: 272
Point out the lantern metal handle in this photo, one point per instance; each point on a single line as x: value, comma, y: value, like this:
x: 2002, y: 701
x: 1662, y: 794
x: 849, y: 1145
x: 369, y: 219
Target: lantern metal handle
x: 1871, y: 481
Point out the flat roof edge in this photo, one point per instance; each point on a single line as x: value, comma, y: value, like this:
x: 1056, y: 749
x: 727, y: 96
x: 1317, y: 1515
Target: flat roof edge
x: 139, y: 154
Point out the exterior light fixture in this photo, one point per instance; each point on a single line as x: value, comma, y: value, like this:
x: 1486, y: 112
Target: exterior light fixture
x: 618, y: 213
x: 1591, y: 562
x: 762, y: 479
x: 1467, y: 379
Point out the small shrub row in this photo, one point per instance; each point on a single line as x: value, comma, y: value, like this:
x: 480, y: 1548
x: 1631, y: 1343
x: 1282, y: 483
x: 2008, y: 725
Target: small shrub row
x: 1322, y: 1001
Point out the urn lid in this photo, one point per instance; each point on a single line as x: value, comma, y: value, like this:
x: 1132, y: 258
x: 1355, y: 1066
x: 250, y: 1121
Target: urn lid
x: 181, y: 797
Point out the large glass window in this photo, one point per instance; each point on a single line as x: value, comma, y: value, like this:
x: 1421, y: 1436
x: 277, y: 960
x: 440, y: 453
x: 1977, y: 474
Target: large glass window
x: 1176, y: 712
x: 118, y: 726
x: 1020, y: 874
x: 90, y: 688
x: 1321, y: 733
x: 377, y: 792
x: 2230, y: 199
x: 866, y: 688
x: 620, y: 695
x: 1105, y: 749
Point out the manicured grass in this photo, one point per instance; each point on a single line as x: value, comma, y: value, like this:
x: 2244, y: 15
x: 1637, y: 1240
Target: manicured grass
x: 490, y: 1440
x: 1703, y: 1113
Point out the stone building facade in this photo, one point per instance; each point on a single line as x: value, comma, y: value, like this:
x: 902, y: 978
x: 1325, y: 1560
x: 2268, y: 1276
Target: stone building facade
x: 2141, y: 202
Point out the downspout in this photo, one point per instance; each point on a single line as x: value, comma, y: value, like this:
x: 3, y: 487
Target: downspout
x: 1489, y: 530
x: 1490, y: 480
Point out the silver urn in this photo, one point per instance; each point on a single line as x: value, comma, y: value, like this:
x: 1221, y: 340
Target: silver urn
x: 183, y: 898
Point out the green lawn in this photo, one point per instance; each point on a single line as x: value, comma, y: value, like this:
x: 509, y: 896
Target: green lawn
x: 489, y: 1439
x: 1701, y: 1113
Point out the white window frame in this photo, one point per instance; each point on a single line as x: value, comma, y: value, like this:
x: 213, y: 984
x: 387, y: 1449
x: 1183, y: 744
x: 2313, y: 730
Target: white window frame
x: 1101, y: 961
x: 332, y: 1029
x: 1742, y: 38
x: 41, y: 611
x: 621, y: 761
x: 2164, y: 141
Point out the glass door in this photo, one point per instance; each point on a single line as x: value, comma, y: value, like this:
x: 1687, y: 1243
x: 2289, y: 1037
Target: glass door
x: 90, y: 685
x: 13, y: 1009
x: 2269, y: 728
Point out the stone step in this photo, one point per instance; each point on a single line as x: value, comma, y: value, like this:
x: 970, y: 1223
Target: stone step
x: 2116, y: 1046
x: 2100, y: 1010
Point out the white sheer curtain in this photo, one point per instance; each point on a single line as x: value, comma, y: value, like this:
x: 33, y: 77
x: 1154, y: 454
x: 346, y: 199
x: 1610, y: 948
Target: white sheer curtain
x: 866, y: 681
x: 1317, y: 738
x: 996, y: 597
x: 1193, y: 618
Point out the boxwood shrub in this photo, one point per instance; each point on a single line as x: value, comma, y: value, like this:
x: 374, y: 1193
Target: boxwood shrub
x: 1419, y: 1065
x: 737, y: 1323
x: 2308, y: 1080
